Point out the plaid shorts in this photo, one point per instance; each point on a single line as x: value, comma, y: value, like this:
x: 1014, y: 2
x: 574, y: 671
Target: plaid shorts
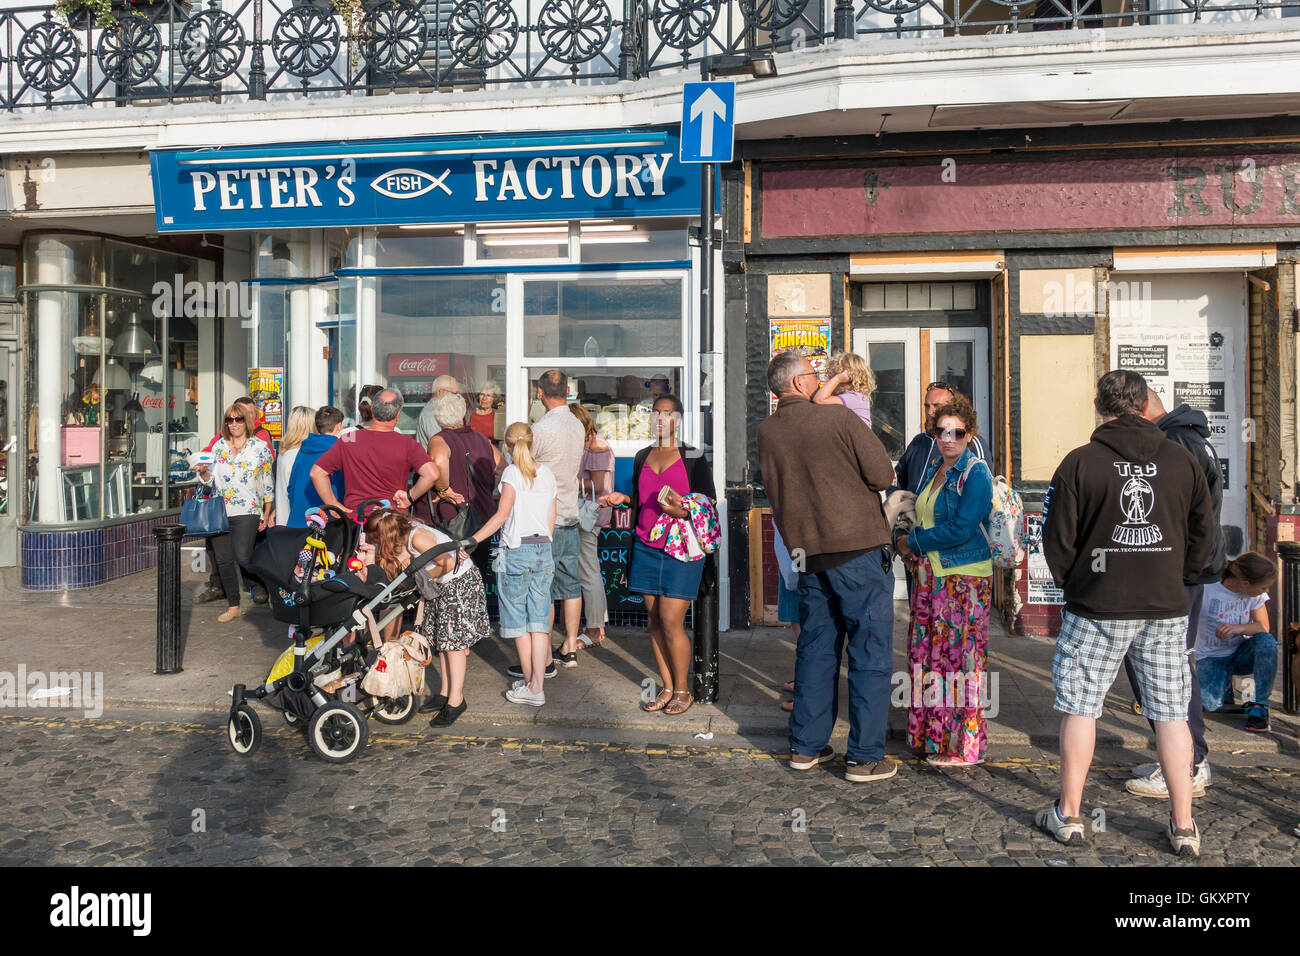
x: 1089, y: 654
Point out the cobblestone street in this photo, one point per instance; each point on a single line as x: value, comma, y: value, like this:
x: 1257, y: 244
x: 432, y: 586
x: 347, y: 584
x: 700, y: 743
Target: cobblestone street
x: 148, y: 789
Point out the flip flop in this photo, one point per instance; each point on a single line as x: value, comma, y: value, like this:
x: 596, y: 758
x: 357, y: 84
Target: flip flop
x: 585, y: 641
x: 659, y: 703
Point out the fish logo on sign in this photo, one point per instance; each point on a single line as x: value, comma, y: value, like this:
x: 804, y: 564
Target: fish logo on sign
x: 408, y: 183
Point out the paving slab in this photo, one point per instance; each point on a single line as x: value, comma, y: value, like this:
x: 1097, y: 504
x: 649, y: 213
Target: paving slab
x: 111, y: 631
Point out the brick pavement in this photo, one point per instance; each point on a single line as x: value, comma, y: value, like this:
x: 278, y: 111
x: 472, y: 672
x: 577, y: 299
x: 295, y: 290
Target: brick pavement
x: 126, y: 791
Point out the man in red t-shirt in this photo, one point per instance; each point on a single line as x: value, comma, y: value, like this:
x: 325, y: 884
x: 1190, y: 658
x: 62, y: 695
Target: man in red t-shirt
x: 376, y: 462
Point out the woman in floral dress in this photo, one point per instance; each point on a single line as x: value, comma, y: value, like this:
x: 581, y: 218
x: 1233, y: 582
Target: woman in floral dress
x: 241, y: 474
x: 948, y: 637
x: 455, y: 618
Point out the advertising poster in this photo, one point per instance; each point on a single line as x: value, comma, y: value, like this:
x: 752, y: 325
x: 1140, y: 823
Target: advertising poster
x: 266, y: 388
x: 1041, y: 588
x: 810, y: 337
x: 1184, y: 365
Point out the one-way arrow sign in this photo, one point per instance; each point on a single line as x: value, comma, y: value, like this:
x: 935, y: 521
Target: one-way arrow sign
x: 708, y: 122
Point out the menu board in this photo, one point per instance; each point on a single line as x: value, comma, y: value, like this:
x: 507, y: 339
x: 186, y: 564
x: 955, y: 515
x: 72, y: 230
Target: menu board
x: 811, y: 338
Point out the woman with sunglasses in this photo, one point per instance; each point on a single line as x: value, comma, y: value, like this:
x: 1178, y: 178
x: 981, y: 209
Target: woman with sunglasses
x: 241, y: 474
x: 948, y: 635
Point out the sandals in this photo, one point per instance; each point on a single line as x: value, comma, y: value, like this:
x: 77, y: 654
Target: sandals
x: 229, y: 615
x: 659, y: 703
x: 948, y: 760
x: 585, y: 640
x: 677, y: 703
x: 788, y: 687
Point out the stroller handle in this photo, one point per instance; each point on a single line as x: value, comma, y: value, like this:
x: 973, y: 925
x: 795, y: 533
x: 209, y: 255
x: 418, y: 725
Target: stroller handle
x: 360, y: 513
x: 423, y: 559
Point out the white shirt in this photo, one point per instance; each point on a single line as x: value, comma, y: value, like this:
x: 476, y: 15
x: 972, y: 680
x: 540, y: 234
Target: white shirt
x: 531, y: 514
x: 283, y: 469
x: 440, y: 538
x: 1221, y: 606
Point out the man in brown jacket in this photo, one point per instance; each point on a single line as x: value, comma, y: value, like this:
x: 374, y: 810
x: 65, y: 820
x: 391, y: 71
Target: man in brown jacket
x: 824, y: 470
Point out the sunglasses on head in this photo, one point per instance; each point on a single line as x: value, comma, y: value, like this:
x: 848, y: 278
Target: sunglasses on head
x: 933, y: 385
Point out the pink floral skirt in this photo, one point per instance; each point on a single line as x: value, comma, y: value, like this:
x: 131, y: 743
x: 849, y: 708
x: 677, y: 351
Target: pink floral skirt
x: 947, y: 661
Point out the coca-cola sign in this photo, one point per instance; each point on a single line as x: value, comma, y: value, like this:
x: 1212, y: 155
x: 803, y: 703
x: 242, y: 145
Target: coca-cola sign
x: 408, y: 365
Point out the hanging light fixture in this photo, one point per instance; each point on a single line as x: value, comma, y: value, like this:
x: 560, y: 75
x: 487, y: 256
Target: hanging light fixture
x: 135, y: 340
x: 111, y: 375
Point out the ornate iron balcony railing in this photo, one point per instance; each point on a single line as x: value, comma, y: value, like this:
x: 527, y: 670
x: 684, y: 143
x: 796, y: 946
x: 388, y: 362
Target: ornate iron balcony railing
x: 171, y: 51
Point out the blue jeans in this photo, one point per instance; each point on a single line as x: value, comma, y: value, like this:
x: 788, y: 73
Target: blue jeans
x: 854, y: 604
x: 1256, y: 656
x: 524, y: 590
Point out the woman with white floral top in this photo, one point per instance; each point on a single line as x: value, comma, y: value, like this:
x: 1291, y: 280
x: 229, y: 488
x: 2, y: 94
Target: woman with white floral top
x: 241, y: 474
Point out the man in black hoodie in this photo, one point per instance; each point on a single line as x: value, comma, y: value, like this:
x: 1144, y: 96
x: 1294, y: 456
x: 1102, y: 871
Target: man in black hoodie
x: 1128, y: 520
x: 1190, y: 428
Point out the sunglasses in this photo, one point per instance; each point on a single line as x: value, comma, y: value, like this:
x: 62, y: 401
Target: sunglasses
x: 235, y: 421
x: 952, y: 434
x: 943, y: 385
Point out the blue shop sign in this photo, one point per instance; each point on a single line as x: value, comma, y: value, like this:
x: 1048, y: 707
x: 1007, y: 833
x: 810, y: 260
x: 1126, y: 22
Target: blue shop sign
x: 489, y: 178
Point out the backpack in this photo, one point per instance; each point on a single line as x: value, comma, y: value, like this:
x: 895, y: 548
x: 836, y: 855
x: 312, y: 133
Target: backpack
x: 1005, y: 528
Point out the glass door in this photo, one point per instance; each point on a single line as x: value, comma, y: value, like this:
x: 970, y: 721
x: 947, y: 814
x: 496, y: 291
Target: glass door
x: 11, y: 460
x: 960, y: 357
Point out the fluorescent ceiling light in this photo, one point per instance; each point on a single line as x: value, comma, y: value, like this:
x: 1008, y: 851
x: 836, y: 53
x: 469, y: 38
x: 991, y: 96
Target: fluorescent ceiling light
x: 621, y: 227
x: 446, y: 225
x: 611, y: 240
x: 524, y: 230
x: 539, y: 241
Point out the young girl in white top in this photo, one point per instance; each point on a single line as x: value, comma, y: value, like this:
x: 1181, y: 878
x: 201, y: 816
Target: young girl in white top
x: 526, y: 517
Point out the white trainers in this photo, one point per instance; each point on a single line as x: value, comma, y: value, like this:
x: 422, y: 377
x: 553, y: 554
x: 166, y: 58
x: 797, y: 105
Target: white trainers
x: 1064, y: 829
x: 1186, y: 843
x: 520, y: 694
x: 1152, y: 782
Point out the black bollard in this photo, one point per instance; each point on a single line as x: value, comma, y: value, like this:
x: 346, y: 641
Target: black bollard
x: 1289, y: 627
x: 706, y: 635
x: 169, y: 597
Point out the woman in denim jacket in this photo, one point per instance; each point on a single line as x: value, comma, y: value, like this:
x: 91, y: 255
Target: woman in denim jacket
x: 948, y: 636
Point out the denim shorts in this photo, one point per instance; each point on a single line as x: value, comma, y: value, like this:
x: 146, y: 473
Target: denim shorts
x: 524, y: 590
x: 565, y: 545
x: 657, y: 574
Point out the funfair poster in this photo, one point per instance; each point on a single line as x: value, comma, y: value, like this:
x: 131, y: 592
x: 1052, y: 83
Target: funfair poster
x: 266, y: 388
x: 810, y: 337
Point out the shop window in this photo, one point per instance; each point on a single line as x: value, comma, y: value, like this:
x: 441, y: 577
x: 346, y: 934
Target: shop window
x: 8, y: 273
x: 428, y: 326
x: 888, y: 360
x: 112, y: 385
x: 918, y: 296
x: 522, y: 242
x: 407, y: 246
x: 604, y: 240
x: 604, y: 317
x: 619, y: 399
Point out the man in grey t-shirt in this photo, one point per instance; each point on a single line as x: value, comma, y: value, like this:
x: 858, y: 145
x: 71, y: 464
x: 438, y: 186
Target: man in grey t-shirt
x: 427, y: 426
x: 558, y: 438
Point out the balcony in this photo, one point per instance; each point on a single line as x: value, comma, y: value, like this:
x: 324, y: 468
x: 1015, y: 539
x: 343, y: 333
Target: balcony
x: 259, y: 50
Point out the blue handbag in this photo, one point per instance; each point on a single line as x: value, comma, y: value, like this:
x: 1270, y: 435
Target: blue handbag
x: 205, y: 516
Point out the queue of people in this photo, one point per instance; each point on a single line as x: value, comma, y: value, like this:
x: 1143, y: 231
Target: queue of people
x: 1144, y: 493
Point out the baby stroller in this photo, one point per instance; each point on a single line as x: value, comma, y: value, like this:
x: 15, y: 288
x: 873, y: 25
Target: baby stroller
x: 316, y: 684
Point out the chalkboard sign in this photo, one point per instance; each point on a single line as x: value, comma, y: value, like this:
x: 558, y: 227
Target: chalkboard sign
x: 614, y: 548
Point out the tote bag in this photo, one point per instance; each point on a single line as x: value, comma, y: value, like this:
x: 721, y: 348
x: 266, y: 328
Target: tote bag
x: 205, y: 516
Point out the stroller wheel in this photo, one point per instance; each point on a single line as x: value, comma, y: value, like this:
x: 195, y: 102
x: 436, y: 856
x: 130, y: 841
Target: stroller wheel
x: 244, y: 730
x: 337, y: 732
x: 395, y: 710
